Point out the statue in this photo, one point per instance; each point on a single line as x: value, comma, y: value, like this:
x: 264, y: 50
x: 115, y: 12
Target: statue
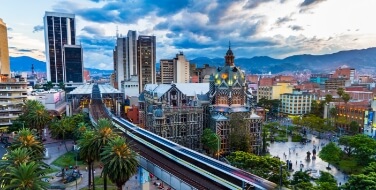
x: 308, y: 155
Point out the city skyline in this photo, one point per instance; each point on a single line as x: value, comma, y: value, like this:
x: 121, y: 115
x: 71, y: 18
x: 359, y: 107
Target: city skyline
x: 276, y: 28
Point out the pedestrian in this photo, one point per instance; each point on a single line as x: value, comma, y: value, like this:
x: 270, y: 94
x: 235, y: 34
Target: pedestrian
x: 296, y: 154
x: 296, y: 163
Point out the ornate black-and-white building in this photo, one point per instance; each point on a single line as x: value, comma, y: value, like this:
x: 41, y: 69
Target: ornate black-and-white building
x: 180, y: 111
x: 228, y: 96
x: 174, y: 112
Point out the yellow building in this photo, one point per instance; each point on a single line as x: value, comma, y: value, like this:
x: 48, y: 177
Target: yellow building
x: 4, y: 52
x: 274, y: 91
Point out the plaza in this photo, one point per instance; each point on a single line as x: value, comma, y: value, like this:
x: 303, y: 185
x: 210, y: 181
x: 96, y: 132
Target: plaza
x: 297, y: 153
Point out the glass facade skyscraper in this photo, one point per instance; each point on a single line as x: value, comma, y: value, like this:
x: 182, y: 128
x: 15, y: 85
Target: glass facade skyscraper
x: 73, y: 71
x: 59, y: 30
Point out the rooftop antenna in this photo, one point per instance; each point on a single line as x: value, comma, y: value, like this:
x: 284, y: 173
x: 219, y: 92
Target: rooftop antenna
x: 117, y: 31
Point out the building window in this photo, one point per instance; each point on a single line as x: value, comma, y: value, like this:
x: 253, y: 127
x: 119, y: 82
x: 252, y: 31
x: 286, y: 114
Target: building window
x: 222, y: 100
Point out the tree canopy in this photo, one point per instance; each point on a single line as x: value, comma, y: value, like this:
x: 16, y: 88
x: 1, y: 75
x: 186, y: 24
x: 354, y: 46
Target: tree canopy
x: 263, y: 166
x: 330, y: 153
x: 210, y: 140
x: 240, y: 139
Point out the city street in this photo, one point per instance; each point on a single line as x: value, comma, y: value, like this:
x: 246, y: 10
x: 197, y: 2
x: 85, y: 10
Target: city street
x: 298, y: 154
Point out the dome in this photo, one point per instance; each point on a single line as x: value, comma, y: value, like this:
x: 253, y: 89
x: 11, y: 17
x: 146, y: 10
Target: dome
x: 158, y: 113
x: 150, y: 109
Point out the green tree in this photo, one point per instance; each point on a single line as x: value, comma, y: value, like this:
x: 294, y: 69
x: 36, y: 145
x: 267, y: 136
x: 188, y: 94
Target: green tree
x: 330, y: 153
x: 62, y: 85
x: 48, y: 85
x: 240, y: 139
x: 328, y: 98
x: 210, y: 140
x: 361, y: 146
x: 361, y: 181
x: 326, y: 181
x: 15, y: 158
x: 370, y: 168
x: 300, y: 177
x: 263, y: 166
x: 340, y: 92
x: 265, y: 143
x: 102, y: 136
x: 304, y: 186
x: 87, y: 152
x: 326, y: 177
x: 35, y: 116
x: 80, y: 129
x: 26, y: 176
x: 317, y: 108
x: 120, y: 162
x: 346, y: 97
x: 26, y: 138
x: 354, y: 127
x: 60, y: 128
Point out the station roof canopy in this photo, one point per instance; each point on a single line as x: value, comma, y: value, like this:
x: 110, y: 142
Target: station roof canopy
x: 108, y: 89
x: 82, y: 89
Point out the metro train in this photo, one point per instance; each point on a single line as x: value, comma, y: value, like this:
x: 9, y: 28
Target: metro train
x: 226, y: 175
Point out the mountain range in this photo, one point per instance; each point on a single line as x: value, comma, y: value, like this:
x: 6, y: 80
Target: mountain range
x: 24, y: 63
x: 363, y: 60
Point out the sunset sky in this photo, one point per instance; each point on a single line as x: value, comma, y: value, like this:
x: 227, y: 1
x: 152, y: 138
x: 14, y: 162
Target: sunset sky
x: 199, y: 28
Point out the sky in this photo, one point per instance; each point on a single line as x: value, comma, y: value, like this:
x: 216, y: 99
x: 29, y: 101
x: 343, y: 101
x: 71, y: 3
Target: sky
x: 199, y: 28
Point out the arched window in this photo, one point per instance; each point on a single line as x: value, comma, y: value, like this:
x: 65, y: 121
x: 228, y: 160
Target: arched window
x: 236, y: 100
x: 222, y: 100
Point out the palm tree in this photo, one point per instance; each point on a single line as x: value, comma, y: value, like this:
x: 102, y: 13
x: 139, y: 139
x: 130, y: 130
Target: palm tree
x: 27, y: 139
x: 102, y: 136
x: 119, y: 161
x: 346, y: 98
x: 86, y: 151
x: 80, y: 129
x: 35, y: 116
x: 340, y: 92
x: 48, y: 85
x: 26, y: 176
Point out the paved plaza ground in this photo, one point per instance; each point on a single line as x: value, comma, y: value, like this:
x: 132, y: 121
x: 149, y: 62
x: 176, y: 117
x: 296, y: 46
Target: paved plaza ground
x: 300, y: 154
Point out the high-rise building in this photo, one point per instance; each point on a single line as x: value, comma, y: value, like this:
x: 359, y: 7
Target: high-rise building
x: 4, y: 51
x: 134, y: 58
x: 146, y: 61
x: 175, y: 70
x: 73, y: 70
x: 59, y: 30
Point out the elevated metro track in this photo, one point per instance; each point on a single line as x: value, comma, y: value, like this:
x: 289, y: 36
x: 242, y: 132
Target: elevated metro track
x: 198, y: 170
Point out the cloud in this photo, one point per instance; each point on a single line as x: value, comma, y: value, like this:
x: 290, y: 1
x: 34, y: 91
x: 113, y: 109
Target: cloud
x: 285, y: 19
x: 309, y: 4
x: 254, y: 3
x: 95, y: 30
x: 131, y: 11
x: 296, y: 27
x: 38, y: 28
